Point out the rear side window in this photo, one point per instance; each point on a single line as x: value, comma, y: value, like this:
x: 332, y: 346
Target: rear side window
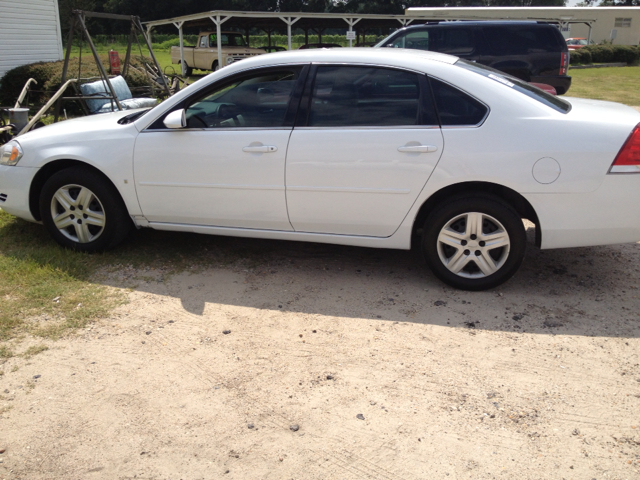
x: 523, y: 40
x: 455, y: 107
x: 365, y: 96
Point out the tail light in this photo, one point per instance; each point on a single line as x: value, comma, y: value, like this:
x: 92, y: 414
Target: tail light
x: 628, y: 158
x: 564, y: 63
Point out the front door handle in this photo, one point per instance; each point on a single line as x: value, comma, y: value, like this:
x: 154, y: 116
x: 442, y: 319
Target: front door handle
x: 260, y: 149
x: 418, y: 149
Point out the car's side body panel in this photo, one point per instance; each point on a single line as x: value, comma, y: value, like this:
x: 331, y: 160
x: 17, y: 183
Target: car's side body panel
x: 336, y: 185
x: 15, y: 182
x: 103, y: 144
x: 607, y: 215
x: 203, y: 177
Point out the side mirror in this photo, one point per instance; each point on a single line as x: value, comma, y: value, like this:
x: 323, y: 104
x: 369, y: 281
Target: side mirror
x: 176, y: 119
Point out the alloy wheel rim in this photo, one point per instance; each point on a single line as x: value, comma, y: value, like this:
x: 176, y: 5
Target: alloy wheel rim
x: 77, y: 213
x: 473, y: 245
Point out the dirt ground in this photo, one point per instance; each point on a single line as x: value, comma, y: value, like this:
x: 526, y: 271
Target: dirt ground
x: 307, y: 361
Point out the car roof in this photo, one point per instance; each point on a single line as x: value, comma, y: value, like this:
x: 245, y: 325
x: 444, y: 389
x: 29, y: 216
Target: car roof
x: 391, y: 56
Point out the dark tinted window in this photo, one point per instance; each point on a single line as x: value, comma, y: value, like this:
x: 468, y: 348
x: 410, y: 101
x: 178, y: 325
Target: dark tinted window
x: 258, y: 100
x: 523, y: 39
x: 456, y: 107
x: 521, y: 86
x: 454, y: 41
x: 364, y: 96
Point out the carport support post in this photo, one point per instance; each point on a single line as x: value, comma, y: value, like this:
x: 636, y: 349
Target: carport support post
x: 183, y: 66
x: 219, y: 23
x: 289, y: 21
x: 351, y: 23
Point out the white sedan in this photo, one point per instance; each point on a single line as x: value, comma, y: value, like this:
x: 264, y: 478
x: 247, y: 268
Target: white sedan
x: 374, y: 148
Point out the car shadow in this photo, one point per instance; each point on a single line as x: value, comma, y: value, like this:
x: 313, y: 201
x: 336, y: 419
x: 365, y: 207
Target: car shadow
x: 592, y: 291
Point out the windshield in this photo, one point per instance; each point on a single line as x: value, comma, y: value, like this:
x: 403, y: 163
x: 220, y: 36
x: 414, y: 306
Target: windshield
x: 228, y: 40
x: 521, y: 86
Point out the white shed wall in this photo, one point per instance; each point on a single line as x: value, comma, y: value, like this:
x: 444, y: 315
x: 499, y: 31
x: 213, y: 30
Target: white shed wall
x: 601, y: 18
x: 29, y: 32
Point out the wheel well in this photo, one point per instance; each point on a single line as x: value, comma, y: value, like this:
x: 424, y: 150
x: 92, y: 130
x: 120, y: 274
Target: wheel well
x: 46, y: 172
x: 520, y: 204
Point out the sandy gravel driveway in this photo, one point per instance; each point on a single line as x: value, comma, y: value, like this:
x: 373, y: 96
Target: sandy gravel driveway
x: 305, y: 361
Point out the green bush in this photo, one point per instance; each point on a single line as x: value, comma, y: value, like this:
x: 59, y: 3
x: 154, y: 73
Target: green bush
x: 626, y: 53
x: 609, y: 54
x: 49, y: 76
x: 601, y: 53
x: 580, y: 57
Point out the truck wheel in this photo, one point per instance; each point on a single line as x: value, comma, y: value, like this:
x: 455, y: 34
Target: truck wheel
x: 215, y: 66
x: 188, y: 71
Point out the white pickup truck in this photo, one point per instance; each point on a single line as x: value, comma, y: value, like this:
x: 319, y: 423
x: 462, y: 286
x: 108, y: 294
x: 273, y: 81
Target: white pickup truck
x: 204, y: 56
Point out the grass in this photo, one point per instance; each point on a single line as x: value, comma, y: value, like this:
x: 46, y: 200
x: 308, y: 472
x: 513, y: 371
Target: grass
x: 163, y: 56
x: 44, y: 290
x: 616, y: 84
x: 47, y: 291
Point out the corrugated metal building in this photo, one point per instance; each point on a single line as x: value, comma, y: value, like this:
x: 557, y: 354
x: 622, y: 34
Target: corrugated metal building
x: 29, y: 32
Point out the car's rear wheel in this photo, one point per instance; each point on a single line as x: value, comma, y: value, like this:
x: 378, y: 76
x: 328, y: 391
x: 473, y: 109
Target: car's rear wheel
x: 188, y: 71
x: 83, y: 211
x: 474, y: 243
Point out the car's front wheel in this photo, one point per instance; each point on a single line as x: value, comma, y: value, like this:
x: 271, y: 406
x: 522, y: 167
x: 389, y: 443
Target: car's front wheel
x: 83, y: 211
x: 474, y: 243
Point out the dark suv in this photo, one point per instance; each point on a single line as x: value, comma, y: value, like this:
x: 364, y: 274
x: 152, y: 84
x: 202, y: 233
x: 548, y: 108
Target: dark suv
x: 531, y: 51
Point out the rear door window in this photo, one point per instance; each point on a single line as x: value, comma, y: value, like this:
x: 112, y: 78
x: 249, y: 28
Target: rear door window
x: 367, y: 96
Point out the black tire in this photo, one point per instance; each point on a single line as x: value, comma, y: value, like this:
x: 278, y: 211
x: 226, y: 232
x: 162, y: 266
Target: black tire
x: 214, y: 66
x: 98, y: 226
x: 461, y: 258
x: 188, y: 71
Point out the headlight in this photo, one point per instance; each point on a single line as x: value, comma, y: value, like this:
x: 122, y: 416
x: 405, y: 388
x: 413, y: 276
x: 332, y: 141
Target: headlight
x: 230, y: 60
x: 10, y: 153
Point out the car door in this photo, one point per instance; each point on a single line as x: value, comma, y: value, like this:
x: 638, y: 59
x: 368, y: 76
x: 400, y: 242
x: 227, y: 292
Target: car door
x: 365, y: 143
x: 205, y: 54
x: 226, y: 167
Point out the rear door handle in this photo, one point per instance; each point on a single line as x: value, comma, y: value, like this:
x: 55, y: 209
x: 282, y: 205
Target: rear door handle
x: 418, y: 149
x: 260, y: 149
